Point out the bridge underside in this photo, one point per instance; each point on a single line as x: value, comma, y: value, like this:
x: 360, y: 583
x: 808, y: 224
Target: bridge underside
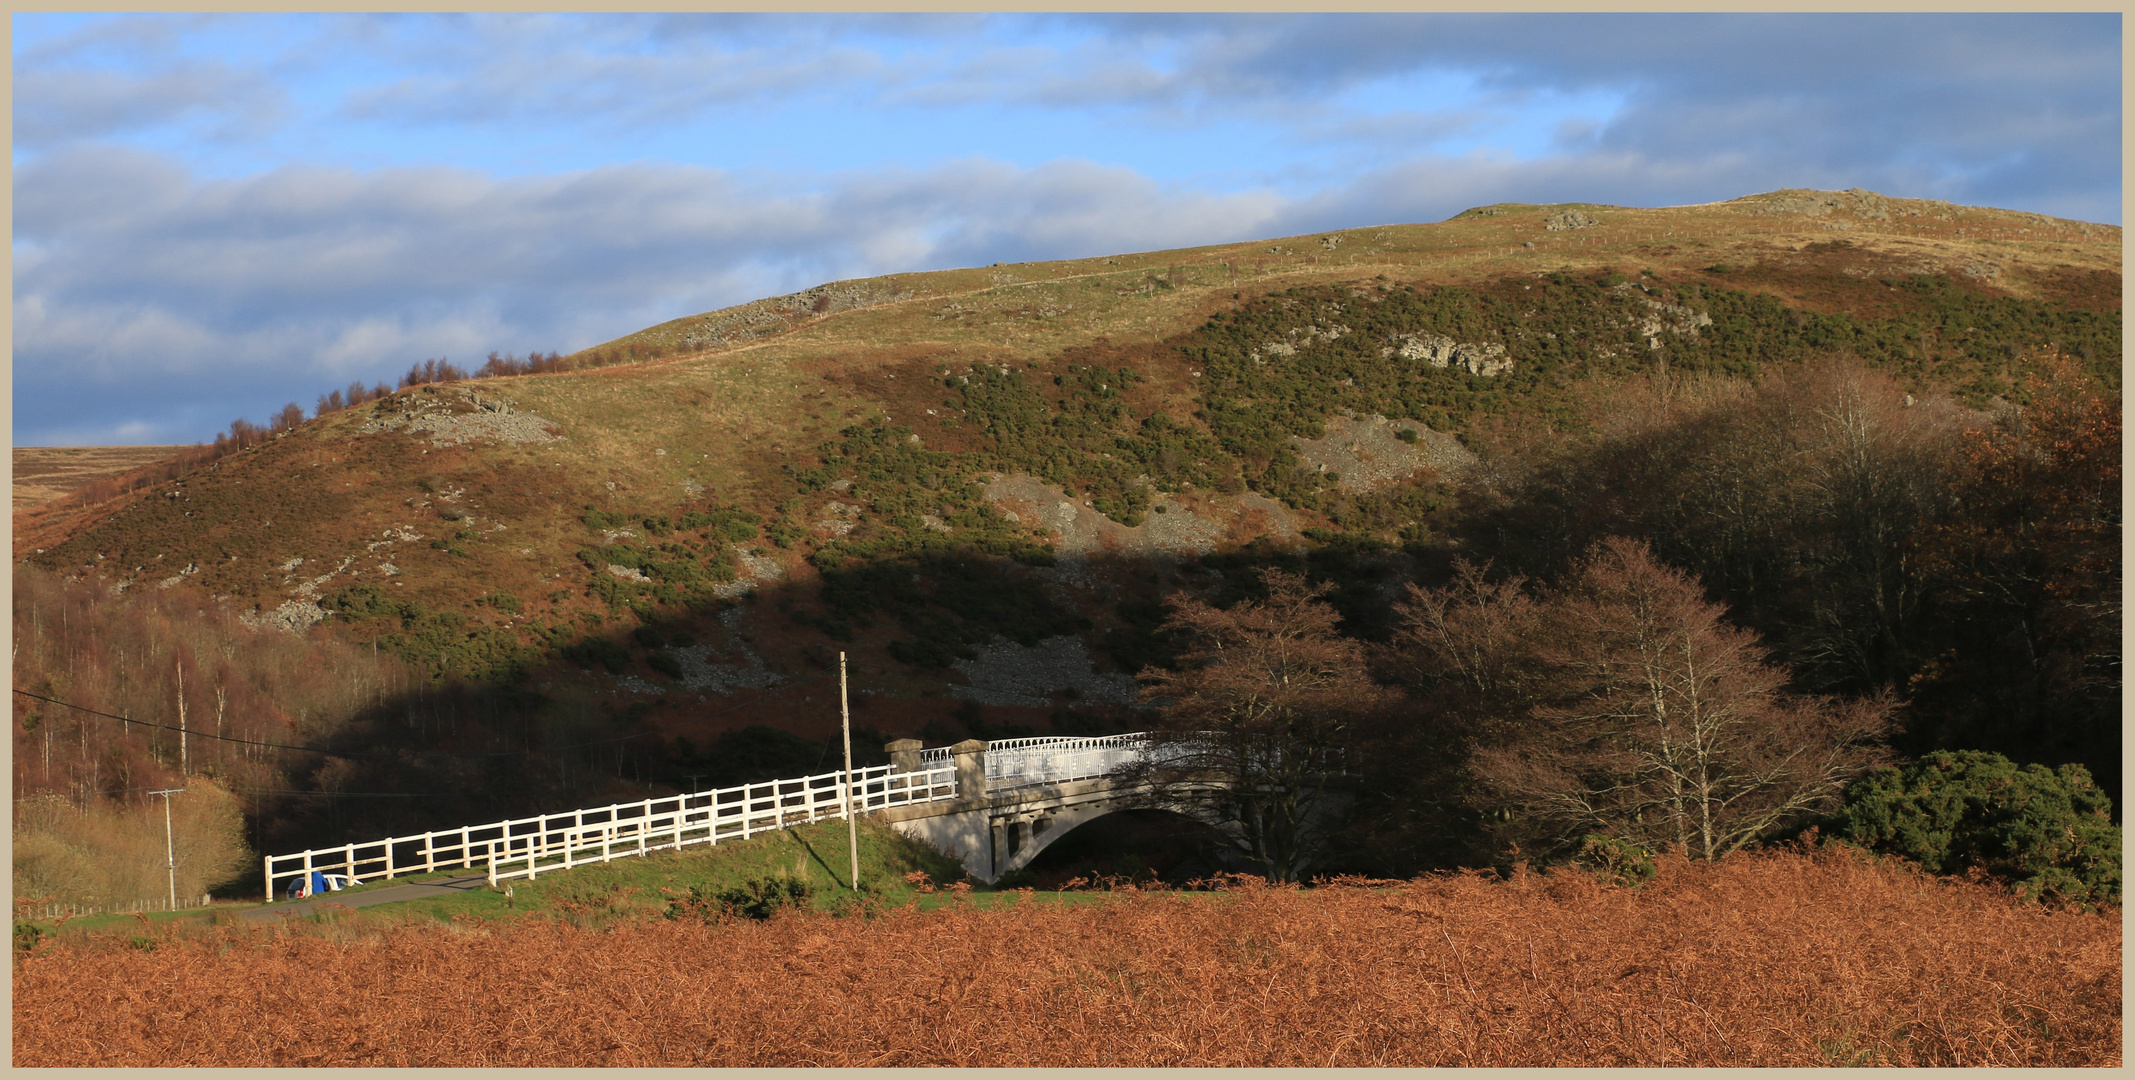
x: 1001, y: 833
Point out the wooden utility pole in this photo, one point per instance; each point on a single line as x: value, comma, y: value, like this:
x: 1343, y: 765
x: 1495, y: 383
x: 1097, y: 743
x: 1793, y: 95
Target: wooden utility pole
x: 170, y: 846
x: 185, y: 763
x: 852, y: 824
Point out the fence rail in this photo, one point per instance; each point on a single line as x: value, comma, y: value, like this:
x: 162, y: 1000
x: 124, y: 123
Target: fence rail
x: 161, y: 903
x: 528, y: 847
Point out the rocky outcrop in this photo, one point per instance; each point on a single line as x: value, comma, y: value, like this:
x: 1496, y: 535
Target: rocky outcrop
x: 755, y: 570
x: 1369, y: 453
x: 291, y: 617
x: 1296, y: 338
x: 778, y: 314
x: 451, y: 414
x: 1567, y: 220
x: 1057, y: 668
x: 1665, y: 318
x: 1079, y: 531
x: 701, y: 672
x: 1438, y: 350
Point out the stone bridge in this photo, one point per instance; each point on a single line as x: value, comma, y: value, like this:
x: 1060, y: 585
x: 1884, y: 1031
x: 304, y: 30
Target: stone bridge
x: 1015, y: 797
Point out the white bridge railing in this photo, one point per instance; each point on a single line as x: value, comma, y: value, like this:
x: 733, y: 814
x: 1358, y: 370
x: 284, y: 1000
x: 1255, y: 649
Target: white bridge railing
x: 526, y: 847
x: 1053, y: 759
x: 1016, y: 763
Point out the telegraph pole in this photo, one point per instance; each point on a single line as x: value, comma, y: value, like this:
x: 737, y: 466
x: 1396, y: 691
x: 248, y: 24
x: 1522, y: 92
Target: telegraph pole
x: 852, y: 824
x: 170, y: 846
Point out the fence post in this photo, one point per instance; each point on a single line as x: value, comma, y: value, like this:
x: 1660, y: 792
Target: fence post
x: 267, y: 868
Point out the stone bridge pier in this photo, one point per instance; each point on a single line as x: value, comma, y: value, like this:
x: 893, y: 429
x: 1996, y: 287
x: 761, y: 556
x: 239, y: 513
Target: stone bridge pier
x: 1017, y: 802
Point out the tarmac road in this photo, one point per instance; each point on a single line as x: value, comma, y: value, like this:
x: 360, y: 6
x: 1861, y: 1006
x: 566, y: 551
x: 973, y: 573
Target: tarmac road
x: 366, y: 899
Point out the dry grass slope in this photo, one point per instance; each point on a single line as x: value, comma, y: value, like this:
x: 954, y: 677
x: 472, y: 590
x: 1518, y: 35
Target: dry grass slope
x: 1789, y: 958
x: 44, y: 473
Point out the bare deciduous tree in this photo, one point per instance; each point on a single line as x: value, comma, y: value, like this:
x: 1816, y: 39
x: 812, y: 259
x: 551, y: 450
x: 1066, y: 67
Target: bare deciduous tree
x: 1259, y: 714
x: 1629, y: 707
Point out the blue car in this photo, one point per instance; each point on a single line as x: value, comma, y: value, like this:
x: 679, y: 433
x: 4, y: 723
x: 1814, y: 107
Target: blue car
x: 315, y: 883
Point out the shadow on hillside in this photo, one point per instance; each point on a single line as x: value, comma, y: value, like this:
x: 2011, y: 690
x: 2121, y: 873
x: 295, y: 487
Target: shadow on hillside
x: 629, y: 724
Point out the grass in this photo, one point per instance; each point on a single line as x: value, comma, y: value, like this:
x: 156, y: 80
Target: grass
x: 624, y: 889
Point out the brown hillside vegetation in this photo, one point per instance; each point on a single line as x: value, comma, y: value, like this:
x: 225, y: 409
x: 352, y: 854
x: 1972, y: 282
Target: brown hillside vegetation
x: 1780, y: 958
x: 45, y: 473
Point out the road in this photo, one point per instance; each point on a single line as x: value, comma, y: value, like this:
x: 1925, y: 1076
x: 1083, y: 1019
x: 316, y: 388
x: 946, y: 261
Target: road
x: 366, y: 899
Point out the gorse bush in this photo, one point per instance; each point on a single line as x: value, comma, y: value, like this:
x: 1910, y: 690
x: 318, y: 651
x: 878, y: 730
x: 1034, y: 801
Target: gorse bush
x: 756, y: 898
x: 1081, y: 436
x: 2047, y: 832
x: 445, y: 642
x: 1616, y: 859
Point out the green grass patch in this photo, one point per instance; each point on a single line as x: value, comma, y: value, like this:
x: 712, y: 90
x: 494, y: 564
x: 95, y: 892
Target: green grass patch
x: 894, y: 870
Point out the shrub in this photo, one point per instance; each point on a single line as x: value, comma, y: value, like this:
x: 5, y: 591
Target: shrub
x: 757, y: 898
x: 2047, y: 832
x: 1616, y: 859
x: 600, y: 651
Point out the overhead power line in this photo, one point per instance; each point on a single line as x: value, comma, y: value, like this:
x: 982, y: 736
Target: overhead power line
x: 253, y: 742
x: 358, y: 755
x: 249, y: 792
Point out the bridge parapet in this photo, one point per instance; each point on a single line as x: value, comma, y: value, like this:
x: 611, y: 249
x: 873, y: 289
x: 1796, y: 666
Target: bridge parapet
x: 1019, y: 763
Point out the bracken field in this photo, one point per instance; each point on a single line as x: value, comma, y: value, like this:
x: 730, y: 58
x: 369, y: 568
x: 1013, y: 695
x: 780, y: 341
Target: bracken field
x: 1794, y: 957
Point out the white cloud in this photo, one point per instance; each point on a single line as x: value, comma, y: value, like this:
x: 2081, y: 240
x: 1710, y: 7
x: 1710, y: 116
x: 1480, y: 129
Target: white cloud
x: 167, y: 288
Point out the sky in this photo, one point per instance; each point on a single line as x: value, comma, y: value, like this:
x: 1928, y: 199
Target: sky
x: 218, y: 214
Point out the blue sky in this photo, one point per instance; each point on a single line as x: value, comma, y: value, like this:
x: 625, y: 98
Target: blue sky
x: 217, y: 214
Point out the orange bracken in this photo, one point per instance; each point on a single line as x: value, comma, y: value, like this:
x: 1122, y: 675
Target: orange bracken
x: 1779, y: 958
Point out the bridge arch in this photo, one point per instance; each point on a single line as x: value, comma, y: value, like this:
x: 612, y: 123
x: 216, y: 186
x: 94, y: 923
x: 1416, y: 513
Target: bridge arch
x: 1029, y: 836
x: 1126, y: 839
x: 1017, y: 797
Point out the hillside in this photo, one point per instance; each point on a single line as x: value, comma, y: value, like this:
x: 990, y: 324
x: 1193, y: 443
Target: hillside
x: 44, y: 473
x: 979, y: 482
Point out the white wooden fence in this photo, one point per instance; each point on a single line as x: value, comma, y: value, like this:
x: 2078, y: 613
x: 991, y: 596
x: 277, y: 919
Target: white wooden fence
x: 527, y: 847
x: 161, y: 903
